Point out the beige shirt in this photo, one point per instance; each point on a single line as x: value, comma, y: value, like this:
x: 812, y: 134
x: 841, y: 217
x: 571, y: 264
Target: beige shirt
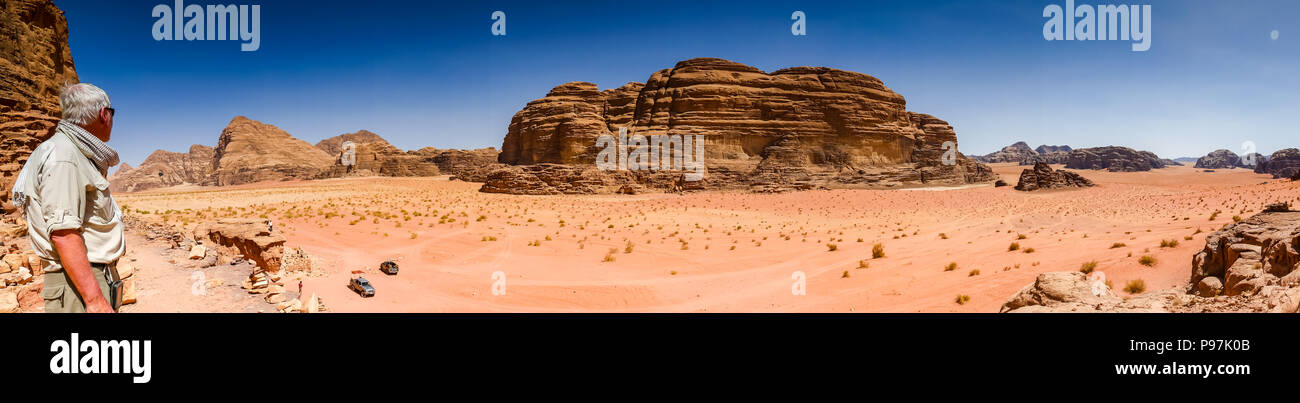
x: 67, y: 191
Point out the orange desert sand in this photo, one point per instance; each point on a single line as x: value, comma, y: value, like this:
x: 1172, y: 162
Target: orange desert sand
x: 701, y: 252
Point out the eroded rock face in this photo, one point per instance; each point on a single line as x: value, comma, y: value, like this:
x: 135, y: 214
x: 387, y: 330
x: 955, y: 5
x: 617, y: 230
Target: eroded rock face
x: 164, y: 169
x: 375, y: 156
x: 250, y: 238
x: 466, y: 165
x: 803, y: 124
x: 1219, y: 159
x: 1114, y: 159
x: 251, y: 151
x: 1043, y: 176
x: 1249, y: 255
x: 35, y: 63
x: 1284, y: 163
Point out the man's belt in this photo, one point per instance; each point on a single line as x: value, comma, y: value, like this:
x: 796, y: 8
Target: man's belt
x: 114, y: 283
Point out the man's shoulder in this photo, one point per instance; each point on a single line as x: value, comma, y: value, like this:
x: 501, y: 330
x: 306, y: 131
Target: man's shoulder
x: 58, y: 149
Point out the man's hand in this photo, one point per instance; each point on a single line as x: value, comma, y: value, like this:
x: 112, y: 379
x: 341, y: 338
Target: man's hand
x: 72, y: 254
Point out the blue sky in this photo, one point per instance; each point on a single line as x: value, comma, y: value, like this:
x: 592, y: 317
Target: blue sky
x: 431, y: 74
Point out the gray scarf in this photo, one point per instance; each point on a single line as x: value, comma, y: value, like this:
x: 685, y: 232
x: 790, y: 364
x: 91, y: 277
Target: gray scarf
x: 92, y: 147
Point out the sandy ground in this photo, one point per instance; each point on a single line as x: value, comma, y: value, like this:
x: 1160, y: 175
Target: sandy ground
x: 704, y: 252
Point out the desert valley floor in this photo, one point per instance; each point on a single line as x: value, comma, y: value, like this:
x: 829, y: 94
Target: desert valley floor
x: 699, y: 252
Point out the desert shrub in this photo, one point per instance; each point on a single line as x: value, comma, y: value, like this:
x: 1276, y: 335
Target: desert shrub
x: 1088, y: 267
x: 878, y: 251
x: 1147, y: 260
x: 1117, y: 245
x: 962, y: 299
x: 950, y: 267
x: 1015, y: 246
x: 973, y: 273
x: 1135, y: 286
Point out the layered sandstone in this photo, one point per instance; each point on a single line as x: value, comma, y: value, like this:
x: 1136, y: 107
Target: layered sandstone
x: 165, y: 169
x: 1043, y: 176
x: 251, y: 151
x: 1114, y: 159
x: 375, y: 156
x: 790, y: 127
x: 250, y: 238
x: 35, y: 63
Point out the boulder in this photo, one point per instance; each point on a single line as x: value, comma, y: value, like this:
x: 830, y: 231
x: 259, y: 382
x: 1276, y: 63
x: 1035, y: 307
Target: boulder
x: 9, y: 300
x: 1060, y: 291
x: 198, y: 252
x: 1044, y: 177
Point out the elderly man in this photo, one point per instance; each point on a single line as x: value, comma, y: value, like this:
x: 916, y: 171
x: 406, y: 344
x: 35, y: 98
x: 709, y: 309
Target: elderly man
x: 75, y: 225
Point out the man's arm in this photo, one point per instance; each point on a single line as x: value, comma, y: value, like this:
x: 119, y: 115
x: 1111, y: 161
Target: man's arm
x: 72, y: 254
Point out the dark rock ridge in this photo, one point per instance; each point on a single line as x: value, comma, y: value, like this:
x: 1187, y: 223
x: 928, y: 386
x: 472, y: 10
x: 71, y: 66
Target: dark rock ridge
x: 794, y: 128
x: 1017, y: 152
x: 1114, y: 159
x: 35, y: 63
x: 1043, y: 176
x: 1284, y: 163
x: 1219, y: 159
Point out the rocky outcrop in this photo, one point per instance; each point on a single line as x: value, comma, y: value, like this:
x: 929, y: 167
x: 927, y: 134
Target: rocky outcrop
x: 1284, y: 163
x: 1114, y: 159
x: 1251, y: 254
x: 802, y: 124
x: 1219, y: 159
x: 35, y: 63
x: 164, y: 169
x: 1016, y: 153
x: 375, y: 156
x: 250, y: 238
x: 1043, y: 176
x: 1046, y: 149
x: 1249, y: 266
x: 466, y: 165
x: 251, y: 151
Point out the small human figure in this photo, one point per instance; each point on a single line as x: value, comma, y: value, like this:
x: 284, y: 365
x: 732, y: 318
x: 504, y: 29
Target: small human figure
x: 270, y: 227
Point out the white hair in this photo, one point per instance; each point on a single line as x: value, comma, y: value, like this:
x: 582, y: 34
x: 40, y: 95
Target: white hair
x: 82, y: 102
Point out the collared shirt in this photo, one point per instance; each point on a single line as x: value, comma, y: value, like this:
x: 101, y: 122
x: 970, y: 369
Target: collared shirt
x: 67, y: 191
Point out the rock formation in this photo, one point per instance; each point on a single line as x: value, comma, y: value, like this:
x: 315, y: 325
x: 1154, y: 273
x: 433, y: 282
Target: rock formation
x: 35, y: 63
x: 251, y: 151
x: 795, y: 127
x: 1017, y: 152
x: 375, y: 156
x: 1114, y: 159
x: 1249, y: 266
x: 1284, y: 163
x: 1043, y: 176
x: 250, y: 238
x: 1219, y: 159
x: 164, y: 169
x: 1251, y: 254
x: 1049, y: 154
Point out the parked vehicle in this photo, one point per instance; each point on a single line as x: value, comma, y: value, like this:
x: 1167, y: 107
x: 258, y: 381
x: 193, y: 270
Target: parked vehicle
x: 388, y: 267
x: 361, y: 286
